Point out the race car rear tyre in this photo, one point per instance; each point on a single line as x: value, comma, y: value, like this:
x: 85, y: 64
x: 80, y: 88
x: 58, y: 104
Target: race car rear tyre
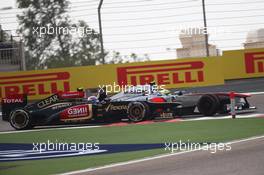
x: 208, y: 104
x: 137, y: 111
x: 20, y: 119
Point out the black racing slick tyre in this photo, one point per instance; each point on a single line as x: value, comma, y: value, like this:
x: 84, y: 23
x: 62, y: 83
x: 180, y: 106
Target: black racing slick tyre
x: 20, y: 119
x: 208, y: 104
x: 137, y: 111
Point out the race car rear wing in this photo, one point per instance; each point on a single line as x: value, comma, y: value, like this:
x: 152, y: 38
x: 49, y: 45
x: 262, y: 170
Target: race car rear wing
x: 12, y: 102
x: 241, y: 95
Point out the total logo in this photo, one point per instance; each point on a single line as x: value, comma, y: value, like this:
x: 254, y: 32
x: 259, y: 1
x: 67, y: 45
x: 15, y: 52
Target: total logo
x: 8, y: 100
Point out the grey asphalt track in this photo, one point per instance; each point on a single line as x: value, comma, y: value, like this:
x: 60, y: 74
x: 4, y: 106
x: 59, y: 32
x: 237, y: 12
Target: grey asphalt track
x: 245, y: 158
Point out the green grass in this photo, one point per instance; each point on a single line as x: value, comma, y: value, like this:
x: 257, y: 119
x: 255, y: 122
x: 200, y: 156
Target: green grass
x: 194, y: 131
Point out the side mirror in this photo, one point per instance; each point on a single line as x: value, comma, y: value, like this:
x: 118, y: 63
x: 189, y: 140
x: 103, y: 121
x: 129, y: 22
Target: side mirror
x: 107, y: 99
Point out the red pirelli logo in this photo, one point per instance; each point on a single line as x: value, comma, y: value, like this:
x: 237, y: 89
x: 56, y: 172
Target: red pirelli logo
x: 170, y: 73
x: 254, y: 62
x: 34, y: 84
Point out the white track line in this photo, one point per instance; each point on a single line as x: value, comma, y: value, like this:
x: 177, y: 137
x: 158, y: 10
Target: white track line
x: 152, y: 158
x: 239, y: 116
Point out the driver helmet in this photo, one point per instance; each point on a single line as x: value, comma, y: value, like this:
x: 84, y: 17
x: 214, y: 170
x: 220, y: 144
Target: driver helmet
x: 165, y: 91
x: 93, y: 99
x: 80, y: 89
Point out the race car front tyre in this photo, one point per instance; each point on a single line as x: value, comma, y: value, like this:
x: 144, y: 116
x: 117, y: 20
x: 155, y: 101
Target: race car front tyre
x: 137, y: 111
x: 20, y: 119
x: 208, y: 104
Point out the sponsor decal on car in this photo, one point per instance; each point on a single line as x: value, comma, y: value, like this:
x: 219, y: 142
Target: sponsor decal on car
x: 112, y: 107
x: 11, y: 100
x: 69, y: 95
x: 60, y: 105
x: 80, y: 112
x: 77, y: 111
x: 170, y: 73
x: 48, y: 101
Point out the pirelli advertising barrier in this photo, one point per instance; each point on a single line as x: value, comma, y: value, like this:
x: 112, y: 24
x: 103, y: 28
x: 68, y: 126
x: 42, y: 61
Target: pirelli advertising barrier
x: 243, y: 64
x: 171, y: 73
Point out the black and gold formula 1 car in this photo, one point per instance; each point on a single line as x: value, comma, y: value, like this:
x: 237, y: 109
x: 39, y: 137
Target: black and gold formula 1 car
x: 72, y: 107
